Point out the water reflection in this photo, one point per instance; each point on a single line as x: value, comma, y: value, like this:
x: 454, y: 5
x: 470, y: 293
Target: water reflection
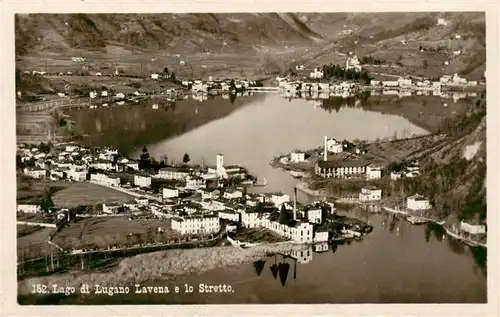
x: 259, y: 266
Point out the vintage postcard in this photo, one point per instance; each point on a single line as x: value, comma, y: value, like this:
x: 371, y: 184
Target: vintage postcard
x: 180, y: 157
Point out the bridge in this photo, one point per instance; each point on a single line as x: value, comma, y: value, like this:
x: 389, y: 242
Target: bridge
x: 53, y: 104
x: 263, y: 89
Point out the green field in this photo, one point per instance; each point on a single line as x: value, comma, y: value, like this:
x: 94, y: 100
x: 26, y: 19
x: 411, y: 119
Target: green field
x: 85, y: 194
x: 104, y: 232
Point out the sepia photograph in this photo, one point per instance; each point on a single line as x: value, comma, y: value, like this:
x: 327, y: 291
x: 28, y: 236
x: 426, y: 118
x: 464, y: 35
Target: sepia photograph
x: 251, y: 158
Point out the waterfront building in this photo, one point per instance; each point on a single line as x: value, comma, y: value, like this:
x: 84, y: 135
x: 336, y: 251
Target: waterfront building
x: 29, y: 208
x: 255, y: 217
x: 175, y: 173
x: 404, y: 82
x: 196, y: 224
x: 143, y: 201
x: 417, y: 202
x: 375, y: 83
x: 390, y: 83
x: 297, y: 157
x: 321, y: 247
x: 472, y: 229
x: 340, y: 168
x: 373, y: 172
x: 276, y: 198
x: 314, y: 214
x: 142, y: 180
x: 370, y: 193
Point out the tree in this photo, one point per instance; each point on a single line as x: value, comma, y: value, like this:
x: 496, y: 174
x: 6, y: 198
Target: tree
x: 232, y: 85
x: 165, y: 71
x: 46, y: 204
x: 145, y: 159
x: 172, y: 77
x: 186, y: 158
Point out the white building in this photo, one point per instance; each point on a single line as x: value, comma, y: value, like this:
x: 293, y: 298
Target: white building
x: 194, y: 182
x: 352, y: 63
x: 297, y: 157
x: 142, y: 180
x: 278, y: 198
x: 390, y: 83
x: 459, y: 80
x: 404, y: 82
x: 168, y: 192
x: 29, y: 209
x: 370, y: 193
x: 196, y: 224
x: 103, y: 179
x: 35, y: 173
x: 110, y: 208
x: 417, y: 202
x: 78, y: 175
x: 299, y: 67
x: 316, y: 74
x: 232, y: 194
x: 177, y: 173
x: 373, y: 172
x: 314, y: 215
x: 229, y: 215
x: 472, y: 229
x: 375, y: 83
x: 300, y: 232
x: 396, y: 175
x: 442, y: 21
x: 155, y: 76
x: 334, y: 146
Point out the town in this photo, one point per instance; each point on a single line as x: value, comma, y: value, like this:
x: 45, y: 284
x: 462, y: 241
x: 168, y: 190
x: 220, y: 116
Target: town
x: 190, y: 202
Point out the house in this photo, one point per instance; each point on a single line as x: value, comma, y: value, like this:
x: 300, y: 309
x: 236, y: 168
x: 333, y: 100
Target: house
x: 316, y: 74
x: 78, y: 175
x: 120, y: 95
x: 370, y: 193
x: 321, y: 236
x: 390, y: 83
x: 106, y: 180
x: 232, y: 194
x: 37, y: 173
x: 133, y: 165
x: 396, y: 175
x: 278, y: 198
x: 177, y: 173
x: 459, y: 80
x: 375, y: 83
x: 111, y: 208
x: 254, y: 217
x: 104, y: 93
x: 404, y: 82
x: 229, y: 215
x: 155, y: 76
x: 417, y: 202
x: 340, y: 168
x: 143, y: 201
x: 195, y: 182
x: 352, y: 63
x: 93, y: 94
x: 333, y: 146
x: 297, y: 157
x: 170, y: 192
x: 196, y: 224
x: 373, y: 172
x: 314, y: 214
x: 210, y: 194
x: 445, y: 79
x: 472, y: 229
x: 442, y: 21
x: 142, y: 180
x: 472, y: 83
x: 29, y: 209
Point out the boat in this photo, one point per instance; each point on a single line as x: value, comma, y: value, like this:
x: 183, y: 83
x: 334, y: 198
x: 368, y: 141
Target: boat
x: 416, y: 220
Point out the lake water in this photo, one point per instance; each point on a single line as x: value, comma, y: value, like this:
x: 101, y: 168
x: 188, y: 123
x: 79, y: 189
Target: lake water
x: 396, y: 263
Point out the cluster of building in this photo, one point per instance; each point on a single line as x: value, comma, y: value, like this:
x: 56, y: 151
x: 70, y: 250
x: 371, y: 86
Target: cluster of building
x: 407, y: 83
x: 198, y: 86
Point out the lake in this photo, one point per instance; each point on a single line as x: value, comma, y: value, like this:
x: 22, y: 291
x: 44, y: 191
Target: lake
x: 396, y: 263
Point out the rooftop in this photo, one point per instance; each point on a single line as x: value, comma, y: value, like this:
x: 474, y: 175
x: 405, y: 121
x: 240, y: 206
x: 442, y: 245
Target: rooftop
x: 417, y: 197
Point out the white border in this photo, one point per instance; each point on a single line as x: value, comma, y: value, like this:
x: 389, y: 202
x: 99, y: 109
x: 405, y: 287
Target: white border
x: 8, y: 291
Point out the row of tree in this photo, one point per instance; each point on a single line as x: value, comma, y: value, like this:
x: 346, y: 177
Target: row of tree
x: 336, y: 71
x: 146, y: 162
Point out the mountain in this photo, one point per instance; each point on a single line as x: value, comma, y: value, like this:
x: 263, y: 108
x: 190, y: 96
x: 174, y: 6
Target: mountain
x: 242, y: 43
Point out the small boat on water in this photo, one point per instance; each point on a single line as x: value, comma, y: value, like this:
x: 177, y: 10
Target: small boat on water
x: 416, y: 220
